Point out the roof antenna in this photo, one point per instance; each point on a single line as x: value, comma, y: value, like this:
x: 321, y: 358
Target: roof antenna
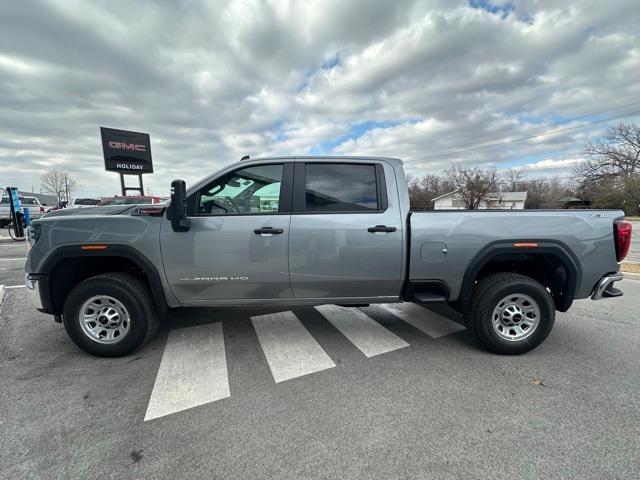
x: 246, y: 157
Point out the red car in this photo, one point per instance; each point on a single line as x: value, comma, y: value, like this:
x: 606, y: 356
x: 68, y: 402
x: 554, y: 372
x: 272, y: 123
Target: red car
x: 132, y: 200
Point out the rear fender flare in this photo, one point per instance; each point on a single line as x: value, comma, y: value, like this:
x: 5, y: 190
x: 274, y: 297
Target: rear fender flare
x: 553, y: 247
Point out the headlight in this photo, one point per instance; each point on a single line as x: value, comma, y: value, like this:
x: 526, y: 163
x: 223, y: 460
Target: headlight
x: 33, y: 234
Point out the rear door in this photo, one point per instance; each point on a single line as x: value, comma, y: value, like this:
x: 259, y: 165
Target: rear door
x: 236, y: 248
x: 346, y: 231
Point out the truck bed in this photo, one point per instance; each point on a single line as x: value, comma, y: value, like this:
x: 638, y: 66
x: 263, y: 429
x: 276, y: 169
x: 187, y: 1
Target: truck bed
x: 443, y: 243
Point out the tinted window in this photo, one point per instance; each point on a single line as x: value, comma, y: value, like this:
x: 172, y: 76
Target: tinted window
x: 86, y: 201
x: 335, y: 187
x: 249, y: 190
x: 138, y: 201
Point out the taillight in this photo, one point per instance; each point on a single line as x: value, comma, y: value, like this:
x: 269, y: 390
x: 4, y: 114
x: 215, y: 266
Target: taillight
x: 41, y: 209
x: 622, y: 237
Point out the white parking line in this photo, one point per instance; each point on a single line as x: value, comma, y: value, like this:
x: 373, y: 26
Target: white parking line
x: 8, y: 287
x: 193, y: 371
x: 429, y: 322
x: 22, y: 259
x: 364, y: 332
x: 1, y: 293
x: 288, y: 346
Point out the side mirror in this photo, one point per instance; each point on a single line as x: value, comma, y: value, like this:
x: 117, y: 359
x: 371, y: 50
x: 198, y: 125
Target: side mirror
x: 177, y: 210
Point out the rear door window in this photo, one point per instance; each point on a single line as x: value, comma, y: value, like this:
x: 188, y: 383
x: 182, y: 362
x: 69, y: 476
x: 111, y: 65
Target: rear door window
x: 340, y: 187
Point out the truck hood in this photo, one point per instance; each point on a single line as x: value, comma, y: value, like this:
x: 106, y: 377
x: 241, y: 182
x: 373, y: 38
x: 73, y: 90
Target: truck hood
x: 106, y: 210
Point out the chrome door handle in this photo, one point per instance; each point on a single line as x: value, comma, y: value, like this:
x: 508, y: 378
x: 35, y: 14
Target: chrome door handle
x: 381, y: 229
x: 267, y: 231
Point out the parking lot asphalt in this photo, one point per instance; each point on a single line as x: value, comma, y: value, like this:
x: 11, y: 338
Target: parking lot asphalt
x: 376, y: 392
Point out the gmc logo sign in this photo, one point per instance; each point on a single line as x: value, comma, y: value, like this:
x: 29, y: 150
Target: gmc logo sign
x: 128, y: 146
x: 126, y: 151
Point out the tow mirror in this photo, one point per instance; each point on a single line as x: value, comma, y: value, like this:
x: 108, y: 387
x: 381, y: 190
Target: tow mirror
x: 177, y: 211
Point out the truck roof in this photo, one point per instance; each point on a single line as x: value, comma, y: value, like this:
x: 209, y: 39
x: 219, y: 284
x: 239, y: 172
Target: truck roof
x: 330, y: 157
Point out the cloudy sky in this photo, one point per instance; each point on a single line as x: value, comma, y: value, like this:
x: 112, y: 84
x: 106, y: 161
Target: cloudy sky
x: 432, y: 82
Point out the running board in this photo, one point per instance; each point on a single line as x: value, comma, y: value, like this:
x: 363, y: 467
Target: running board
x: 428, y: 298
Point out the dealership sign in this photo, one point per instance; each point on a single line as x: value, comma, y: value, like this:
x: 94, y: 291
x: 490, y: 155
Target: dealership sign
x: 126, y: 152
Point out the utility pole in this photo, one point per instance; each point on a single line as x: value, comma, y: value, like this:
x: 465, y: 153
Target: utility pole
x: 66, y: 188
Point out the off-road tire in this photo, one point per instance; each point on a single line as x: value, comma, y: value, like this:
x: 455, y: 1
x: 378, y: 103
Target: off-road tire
x: 132, y: 293
x: 487, y: 295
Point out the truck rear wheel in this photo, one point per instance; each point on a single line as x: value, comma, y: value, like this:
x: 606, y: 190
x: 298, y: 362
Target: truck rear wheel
x: 510, y: 313
x: 110, y: 315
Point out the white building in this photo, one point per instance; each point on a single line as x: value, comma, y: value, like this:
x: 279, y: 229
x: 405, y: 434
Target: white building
x: 498, y: 200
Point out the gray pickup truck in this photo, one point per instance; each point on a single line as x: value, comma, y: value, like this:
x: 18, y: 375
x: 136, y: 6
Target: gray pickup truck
x: 311, y: 231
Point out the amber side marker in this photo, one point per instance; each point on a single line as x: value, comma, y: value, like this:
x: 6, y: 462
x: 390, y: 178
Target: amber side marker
x: 93, y: 247
x: 525, y: 244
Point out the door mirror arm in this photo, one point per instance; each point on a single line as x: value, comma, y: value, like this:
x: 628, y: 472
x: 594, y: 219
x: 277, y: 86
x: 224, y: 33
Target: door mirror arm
x: 177, y: 210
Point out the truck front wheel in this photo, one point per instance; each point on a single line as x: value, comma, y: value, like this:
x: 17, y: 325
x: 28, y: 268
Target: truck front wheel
x: 510, y: 313
x: 110, y: 315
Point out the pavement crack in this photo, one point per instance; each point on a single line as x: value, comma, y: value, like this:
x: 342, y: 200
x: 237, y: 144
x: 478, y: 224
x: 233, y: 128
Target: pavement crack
x: 136, y: 455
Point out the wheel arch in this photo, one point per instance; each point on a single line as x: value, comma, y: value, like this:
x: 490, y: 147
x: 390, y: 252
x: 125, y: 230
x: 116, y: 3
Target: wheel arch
x: 523, y: 256
x: 86, y: 263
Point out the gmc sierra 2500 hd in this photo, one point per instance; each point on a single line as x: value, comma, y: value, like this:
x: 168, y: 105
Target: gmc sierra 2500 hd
x: 311, y: 231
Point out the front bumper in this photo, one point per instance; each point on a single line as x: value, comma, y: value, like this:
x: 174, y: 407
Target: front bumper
x: 33, y: 290
x: 605, y: 289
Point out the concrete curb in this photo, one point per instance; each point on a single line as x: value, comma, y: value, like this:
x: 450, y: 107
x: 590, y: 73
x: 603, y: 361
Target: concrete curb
x: 631, y: 276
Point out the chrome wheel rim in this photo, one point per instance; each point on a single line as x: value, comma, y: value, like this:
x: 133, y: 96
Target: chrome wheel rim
x: 104, y: 319
x: 515, y: 317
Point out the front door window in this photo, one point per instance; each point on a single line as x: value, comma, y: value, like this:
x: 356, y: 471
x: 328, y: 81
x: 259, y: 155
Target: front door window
x: 252, y: 190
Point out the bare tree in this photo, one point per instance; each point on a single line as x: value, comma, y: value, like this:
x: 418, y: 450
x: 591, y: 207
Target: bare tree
x: 610, y: 175
x: 423, y: 190
x: 545, y: 193
x: 513, y: 179
x: 615, y: 157
x: 472, y: 184
x: 58, y: 183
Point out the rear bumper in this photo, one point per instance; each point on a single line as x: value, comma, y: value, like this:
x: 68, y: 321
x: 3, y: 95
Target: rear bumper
x: 605, y: 289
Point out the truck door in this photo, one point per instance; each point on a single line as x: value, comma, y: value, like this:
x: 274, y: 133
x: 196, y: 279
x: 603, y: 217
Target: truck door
x: 346, y: 231
x: 236, y: 248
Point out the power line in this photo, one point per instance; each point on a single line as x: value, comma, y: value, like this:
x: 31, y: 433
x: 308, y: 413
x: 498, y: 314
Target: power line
x: 500, y: 137
x: 520, y: 139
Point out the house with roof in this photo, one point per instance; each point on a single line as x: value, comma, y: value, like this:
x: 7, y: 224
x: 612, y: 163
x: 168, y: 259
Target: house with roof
x: 494, y: 201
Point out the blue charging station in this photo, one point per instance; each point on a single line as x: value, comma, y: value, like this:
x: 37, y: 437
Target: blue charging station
x: 19, y: 216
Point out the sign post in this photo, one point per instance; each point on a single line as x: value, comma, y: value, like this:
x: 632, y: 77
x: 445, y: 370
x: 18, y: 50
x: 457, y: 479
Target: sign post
x: 128, y: 153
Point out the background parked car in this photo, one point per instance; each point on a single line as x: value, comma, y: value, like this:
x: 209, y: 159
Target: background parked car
x: 36, y: 209
x: 84, y: 202
x: 132, y: 200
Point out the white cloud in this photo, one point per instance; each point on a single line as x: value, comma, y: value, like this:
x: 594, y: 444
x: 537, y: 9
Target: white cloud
x: 550, y: 164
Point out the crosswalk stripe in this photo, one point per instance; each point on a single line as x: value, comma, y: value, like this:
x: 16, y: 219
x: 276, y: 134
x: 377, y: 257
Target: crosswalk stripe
x: 288, y: 346
x: 364, y: 332
x: 429, y: 322
x: 193, y: 371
